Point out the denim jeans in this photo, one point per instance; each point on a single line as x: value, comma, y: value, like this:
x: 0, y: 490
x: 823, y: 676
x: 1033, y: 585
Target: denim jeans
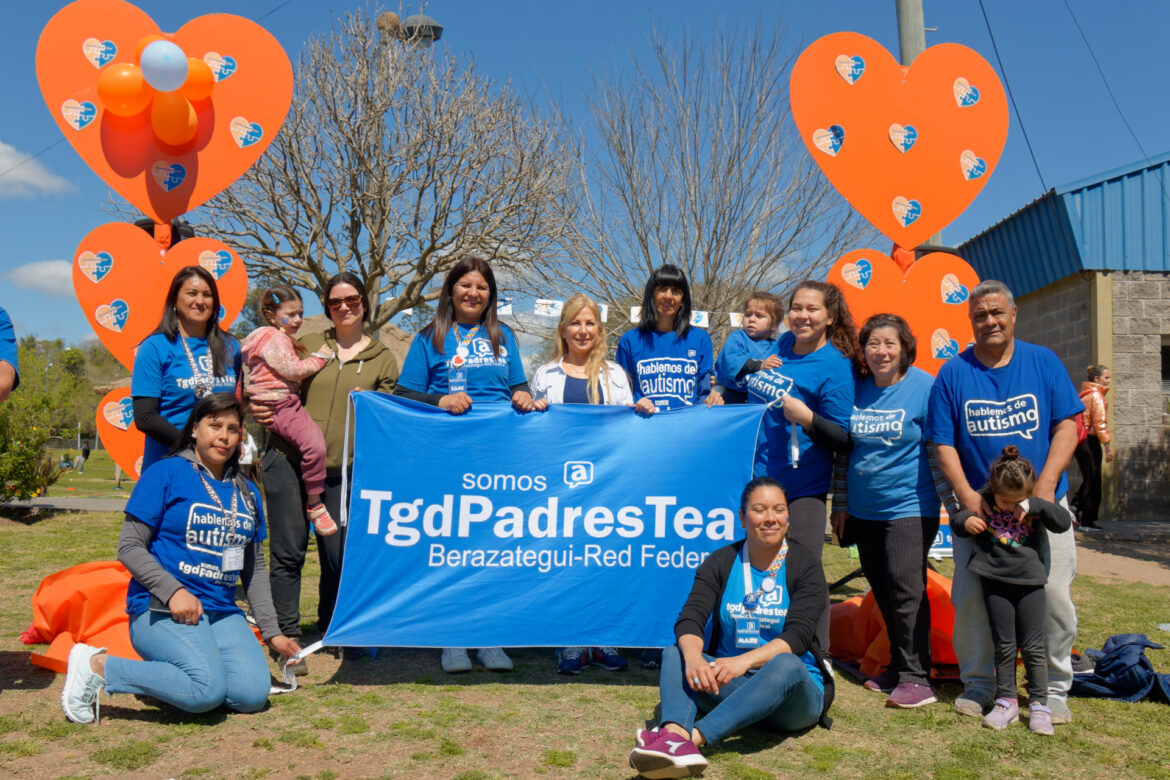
x: 195, y: 668
x: 781, y: 693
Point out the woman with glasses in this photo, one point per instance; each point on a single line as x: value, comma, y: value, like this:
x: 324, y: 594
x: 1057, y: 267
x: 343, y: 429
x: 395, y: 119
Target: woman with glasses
x: 363, y: 363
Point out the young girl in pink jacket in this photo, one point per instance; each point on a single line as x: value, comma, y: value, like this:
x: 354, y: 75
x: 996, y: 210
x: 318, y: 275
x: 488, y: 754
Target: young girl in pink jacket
x: 277, y: 363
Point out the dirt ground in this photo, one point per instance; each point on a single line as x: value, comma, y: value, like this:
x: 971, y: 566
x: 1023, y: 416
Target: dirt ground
x: 1128, y: 561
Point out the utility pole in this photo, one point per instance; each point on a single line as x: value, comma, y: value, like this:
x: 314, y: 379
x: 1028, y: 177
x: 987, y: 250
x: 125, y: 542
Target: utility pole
x: 911, y: 43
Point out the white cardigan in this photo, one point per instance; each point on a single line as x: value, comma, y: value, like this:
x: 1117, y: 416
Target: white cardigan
x: 549, y: 382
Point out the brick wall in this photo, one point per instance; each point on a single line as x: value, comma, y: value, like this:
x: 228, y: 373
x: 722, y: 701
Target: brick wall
x: 1141, y: 316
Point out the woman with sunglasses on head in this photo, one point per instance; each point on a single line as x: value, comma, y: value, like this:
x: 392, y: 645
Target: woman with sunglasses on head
x: 361, y: 362
x: 193, y: 529
x: 466, y: 356
x: 186, y: 358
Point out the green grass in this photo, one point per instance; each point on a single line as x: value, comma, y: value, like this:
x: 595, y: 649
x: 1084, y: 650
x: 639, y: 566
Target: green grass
x: 96, y: 482
x: 398, y: 716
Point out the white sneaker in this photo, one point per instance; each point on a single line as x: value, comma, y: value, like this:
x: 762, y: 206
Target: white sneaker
x: 495, y: 659
x: 82, y: 685
x: 454, y: 659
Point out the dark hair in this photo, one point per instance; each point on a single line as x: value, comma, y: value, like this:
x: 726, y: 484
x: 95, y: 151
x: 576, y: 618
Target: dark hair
x: 209, y: 406
x: 666, y: 275
x: 751, y: 486
x: 771, y: 302
x: 436, y: 331
x: 352, y: 279
x: 905, y: 338
x: 217, y: 342
x: 271, y: 300
x: 1012, y: 473
x: 842, y: 332
x: 1094, y: 372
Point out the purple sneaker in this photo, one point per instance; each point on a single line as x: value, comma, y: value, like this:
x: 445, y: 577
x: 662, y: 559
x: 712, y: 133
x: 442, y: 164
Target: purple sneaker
x: 668, y: 756
x: 1040, y: 720
x: 645, y: 736
x: 1003, y: 714
x: 608, y: 658
x: 909, y: 695
x: 882, y: 683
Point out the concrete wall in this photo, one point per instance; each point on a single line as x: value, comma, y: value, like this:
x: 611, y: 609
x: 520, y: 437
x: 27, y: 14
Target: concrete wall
x: 1141, y: 317
x: 1117, y: 319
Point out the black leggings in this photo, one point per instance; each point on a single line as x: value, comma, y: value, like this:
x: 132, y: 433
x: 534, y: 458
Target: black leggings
x: 806, y: 527
x: 1017, y: 614
x: 1087, y: 502
x: 893, y: 557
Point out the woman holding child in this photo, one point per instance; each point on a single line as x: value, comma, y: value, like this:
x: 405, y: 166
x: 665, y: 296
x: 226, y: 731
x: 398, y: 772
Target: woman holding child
x: 360, y: 362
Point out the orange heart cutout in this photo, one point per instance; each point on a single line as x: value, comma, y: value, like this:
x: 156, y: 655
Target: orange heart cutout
x: 119, y: 434
x: 236, y: 122
x: 121, y: 282
x: 931, y: 296
x: 909, y: 148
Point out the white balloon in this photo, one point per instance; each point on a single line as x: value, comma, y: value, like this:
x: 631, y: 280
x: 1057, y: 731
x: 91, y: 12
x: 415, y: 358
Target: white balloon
x: 164, y: 66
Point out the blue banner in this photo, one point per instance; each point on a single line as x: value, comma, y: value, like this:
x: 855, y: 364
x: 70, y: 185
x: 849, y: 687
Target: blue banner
x: 581, y: 525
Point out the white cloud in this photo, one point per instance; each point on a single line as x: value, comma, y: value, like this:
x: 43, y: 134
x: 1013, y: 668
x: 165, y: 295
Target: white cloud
x: 23, y: 179
x: 51, y: 277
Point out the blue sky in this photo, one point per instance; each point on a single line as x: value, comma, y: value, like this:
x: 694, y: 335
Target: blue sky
x: 48, y: 205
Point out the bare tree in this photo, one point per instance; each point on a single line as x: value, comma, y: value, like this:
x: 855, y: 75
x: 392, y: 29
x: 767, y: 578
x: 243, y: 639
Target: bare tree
x: 696, y: 162
x: 394, y: 160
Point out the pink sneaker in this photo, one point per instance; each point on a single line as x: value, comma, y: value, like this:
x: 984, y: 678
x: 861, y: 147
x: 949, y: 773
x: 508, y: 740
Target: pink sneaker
x: 322, y: 522
x: 909, y: 695
x: 667, y: 755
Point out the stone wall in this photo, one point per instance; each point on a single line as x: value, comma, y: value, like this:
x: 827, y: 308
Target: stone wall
x: 1057, y: 316
x: 1141, y: 317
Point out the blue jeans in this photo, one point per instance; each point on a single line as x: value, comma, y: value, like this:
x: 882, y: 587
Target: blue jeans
x: 781, y: 693
x: 195, y: 668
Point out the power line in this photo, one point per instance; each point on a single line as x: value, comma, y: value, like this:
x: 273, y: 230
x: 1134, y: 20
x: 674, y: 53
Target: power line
x: 274, y: 10
x: 31, y: 158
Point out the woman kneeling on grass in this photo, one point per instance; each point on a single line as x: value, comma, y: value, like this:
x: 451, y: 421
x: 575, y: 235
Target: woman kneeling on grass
x: 193, y: 528
x: 763, y: 663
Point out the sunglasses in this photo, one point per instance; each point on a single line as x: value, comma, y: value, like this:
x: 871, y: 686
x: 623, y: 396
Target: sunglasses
x: 352, y: 301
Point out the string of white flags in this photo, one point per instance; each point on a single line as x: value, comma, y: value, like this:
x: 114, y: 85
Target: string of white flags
x: 551, y: 308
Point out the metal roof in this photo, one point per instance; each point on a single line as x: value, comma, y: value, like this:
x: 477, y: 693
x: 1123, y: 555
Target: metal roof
x: 1115, y: 221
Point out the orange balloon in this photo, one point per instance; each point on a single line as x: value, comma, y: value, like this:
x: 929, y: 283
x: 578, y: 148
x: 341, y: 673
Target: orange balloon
x: 143, y: 43
x: 123, y: 90
x: 200, y: 80
x: 173, y: 119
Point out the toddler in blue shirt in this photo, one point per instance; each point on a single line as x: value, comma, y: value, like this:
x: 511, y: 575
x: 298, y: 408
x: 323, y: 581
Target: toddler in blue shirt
x: 750, y: 349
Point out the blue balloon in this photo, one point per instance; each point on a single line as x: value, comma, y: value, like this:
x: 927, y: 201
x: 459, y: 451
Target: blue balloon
x: 164, y: 66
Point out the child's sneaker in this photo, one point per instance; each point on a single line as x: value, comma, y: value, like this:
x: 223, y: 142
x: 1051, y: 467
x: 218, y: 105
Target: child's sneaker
x: 1003, y: 714
x: 571, y: 660
x: 322, y: 522
x: 1040, y: 719
x: 608, y: 658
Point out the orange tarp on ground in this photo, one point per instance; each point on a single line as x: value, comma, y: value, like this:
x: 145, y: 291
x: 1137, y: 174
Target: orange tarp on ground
x: 857, y: 632
x: 85, y: 603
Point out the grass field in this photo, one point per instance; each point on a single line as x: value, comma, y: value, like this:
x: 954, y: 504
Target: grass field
x: 398, y: 715
x: 97, y: 481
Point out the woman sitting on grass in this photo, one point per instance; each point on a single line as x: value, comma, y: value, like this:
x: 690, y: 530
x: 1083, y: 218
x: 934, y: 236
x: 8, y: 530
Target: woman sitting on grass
x: 762, y: 664
x: 193, y: 528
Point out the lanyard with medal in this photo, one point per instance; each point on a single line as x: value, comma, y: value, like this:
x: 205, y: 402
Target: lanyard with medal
x: 747, y: 629
x: 457, y: 366
x: 202, y: 381
x: 233, y: 554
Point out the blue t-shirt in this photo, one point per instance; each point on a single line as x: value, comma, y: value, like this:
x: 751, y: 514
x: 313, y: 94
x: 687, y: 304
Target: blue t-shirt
x: 489, y: 377
x: 980, y: 410
x: 191, y: 532
x: 737, y: 350
x: 823, y: 379
x: 772, y: 609
x: 672, y: 371
x: 162, y: 371
x: 889, y: 470
x: 8, y: 351
x: 577, y: 391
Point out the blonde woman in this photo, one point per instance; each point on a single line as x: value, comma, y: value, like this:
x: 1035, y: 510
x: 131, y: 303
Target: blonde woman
x: 579, y: 373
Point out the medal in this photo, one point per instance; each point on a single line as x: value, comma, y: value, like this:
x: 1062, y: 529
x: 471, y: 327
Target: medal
x: 751, y: 601
x: 768, y: 585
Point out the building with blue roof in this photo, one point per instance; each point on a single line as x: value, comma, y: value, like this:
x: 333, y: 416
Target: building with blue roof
x: 1089, y: 263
